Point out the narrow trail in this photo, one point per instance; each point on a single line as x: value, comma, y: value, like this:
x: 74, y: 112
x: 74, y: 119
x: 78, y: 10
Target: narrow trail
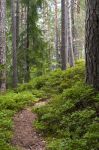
x: 25, y: 135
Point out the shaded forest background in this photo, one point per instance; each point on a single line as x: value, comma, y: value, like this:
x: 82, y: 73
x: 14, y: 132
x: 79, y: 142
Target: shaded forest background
x: 34, y: 38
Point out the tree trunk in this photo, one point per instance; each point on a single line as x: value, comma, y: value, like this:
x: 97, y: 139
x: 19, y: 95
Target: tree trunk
x: 78, y: 6
x: 27, y: 77
x: 63, y: 35
x: 56, y: 33
x: 17, y: 24
x: 92, y: 43
x: 75, y: 50
x: 2, y: 46
x: 70, y: 36
x: 15, y: 77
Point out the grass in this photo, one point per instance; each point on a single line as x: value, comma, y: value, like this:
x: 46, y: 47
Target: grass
x: 10, y: 103
x: 68, y: 122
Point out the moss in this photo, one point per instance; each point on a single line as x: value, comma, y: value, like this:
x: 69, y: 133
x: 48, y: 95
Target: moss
x: 10, y: 103
x: 68, y: 121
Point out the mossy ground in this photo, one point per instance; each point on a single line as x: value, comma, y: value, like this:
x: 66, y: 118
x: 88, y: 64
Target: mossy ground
x: 68, y: 122
x: 10, y: 103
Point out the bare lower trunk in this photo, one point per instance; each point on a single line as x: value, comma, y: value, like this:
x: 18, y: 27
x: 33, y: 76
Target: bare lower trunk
x: 92, y: 43
x: 15, y: 77
x: 2, y: 46
x: 56, y: 33
x: 70, y: 36
x: 74, y: 35
x: 17, y: 24
x: 63, y: 35
x: 27, y: 77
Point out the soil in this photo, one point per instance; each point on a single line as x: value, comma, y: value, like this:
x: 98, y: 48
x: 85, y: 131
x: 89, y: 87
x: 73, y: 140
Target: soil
x: 26, y: 136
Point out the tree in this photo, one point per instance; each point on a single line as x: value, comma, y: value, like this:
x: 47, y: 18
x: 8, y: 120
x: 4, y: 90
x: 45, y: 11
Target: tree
x: 74, y: 35
x: 27, y: 77
x: 2, y: 46
x: 92, y: 43
x: 70, y: 34
x: 17, y: 24
x: 63, y: 35
x: 56, y: 32
x: 14, y: 45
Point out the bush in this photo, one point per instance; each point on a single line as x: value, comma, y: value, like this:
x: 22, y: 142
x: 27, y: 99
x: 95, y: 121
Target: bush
x: 9, y: 104
x: 56, y: 81
x: 69, y: 121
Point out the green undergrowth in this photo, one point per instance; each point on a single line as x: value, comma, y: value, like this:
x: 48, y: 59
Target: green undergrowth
x: 70, y: 120
x: 10, y: 103
x: 55, y: 82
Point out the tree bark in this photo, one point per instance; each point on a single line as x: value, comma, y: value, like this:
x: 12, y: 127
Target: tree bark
x: 92, y: 43
x: 63, y: 35
x: 74, y: 36
x: 56, y: 33
x: 70, y: 36
x: 27, y: 77
x: 15, y: 76
x: 17, y: 24
x: 2, y: 46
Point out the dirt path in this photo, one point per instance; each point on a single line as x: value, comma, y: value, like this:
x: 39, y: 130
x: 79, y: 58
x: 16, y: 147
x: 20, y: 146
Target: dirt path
x: 25, y: 135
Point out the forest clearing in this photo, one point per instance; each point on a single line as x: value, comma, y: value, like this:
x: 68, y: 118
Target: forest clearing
x: 49, y: 75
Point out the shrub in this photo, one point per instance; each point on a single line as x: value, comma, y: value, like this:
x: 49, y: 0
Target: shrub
x: 70, y: 121
x: 9, y: 104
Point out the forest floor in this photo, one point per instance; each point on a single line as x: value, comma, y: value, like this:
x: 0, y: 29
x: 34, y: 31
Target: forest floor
x: 54, y: 112
x: 26, y: 136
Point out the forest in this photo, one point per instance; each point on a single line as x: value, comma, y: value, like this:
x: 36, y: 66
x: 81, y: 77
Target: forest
x: 49, y: 74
